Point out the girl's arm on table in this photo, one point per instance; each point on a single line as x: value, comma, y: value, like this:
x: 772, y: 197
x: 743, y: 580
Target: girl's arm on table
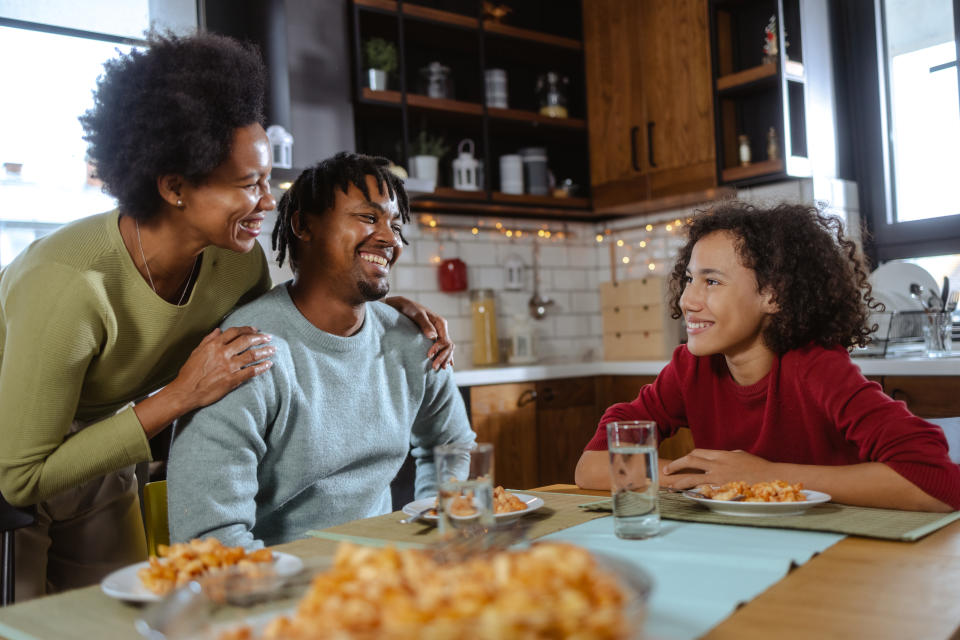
x: 868, y: 484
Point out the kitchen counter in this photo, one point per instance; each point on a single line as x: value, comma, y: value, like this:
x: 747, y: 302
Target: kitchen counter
x: 916, y: 366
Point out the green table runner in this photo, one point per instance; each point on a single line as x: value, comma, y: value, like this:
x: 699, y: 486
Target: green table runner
x: 887, y: 524
x: 558, y: 512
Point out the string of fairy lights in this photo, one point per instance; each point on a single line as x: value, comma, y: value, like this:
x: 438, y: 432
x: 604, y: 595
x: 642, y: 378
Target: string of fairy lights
x: 649, y: 246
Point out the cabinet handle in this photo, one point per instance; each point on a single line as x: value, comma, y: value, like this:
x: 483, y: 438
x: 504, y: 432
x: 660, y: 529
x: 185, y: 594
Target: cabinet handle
x: 616, y: 309
x: 650, y: 143
x: 899, y: 394
x: 528, y: 396
x: 633, y: 148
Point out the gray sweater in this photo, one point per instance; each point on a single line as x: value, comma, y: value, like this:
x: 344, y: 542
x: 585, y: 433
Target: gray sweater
x: 314, y: 441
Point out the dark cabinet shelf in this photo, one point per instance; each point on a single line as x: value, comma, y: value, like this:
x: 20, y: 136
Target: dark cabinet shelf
x: 760, y: 97
x: 537, y: 37
x: 747, y: 77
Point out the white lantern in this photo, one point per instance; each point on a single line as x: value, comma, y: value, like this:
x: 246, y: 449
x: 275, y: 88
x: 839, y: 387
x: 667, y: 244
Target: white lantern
x: 466, y: 168
x: 281, y: 146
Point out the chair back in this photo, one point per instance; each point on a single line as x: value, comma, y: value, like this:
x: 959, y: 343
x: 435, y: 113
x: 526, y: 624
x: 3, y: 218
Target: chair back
x: 11, y: 519
x: 155, y: 515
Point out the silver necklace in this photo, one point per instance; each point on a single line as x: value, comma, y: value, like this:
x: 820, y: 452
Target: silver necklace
x: 147, y: 267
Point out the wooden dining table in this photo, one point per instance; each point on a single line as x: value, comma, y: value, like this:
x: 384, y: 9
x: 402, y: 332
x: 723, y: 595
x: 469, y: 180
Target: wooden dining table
x: 856, y: 588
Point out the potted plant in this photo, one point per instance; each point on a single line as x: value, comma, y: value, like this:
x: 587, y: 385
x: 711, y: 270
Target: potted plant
x: 381, y: 57
x: 425, y: 153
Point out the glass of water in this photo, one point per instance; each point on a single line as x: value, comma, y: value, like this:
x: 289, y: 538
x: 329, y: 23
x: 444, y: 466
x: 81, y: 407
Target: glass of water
x: 634, y: 478
x: 464, y: 488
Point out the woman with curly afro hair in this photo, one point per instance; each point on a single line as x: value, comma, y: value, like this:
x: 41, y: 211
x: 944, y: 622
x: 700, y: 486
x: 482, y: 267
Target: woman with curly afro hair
x: 772, y: 300
x: 108, y: 325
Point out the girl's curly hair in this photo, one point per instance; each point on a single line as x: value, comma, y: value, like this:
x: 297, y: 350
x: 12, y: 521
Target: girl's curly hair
x: 817, y: 275
x: 171, y: 108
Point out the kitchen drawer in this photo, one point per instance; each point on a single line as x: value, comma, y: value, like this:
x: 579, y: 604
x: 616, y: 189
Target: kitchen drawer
x: 636, y: 291
x: 637, y: 345
x: 646, y: 317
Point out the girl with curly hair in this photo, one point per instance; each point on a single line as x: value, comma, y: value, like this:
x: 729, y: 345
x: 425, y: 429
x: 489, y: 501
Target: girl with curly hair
x: 108, y: 325
x: 772, y: 300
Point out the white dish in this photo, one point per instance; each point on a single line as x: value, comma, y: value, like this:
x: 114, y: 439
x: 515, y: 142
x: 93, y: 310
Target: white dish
x: 125, y: 584
x: 896, y: 278
x: 754, y: 509
x: 533, y: 503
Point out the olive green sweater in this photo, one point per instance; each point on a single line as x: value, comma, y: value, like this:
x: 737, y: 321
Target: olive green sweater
x: 81, y: 336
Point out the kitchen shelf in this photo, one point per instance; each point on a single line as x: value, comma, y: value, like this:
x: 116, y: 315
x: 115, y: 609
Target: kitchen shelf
x: 507, y: 210
x: 569, y: 202
x: 534, y: 36
x: 443, y: 104
x: 536, y: 118
x: 753, y: 170
x: 383, y: 97
x: 747, y: 77
x: 538, y: 37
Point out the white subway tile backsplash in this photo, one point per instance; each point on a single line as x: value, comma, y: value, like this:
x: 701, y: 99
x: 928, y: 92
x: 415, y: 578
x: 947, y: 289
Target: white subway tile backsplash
x: 573, y: 326
x: 585, y: 301
x: 582, y: 256
x: 553, y: 255
x: 570, y: 279
x: 442, y: 303
x: 478, y: 254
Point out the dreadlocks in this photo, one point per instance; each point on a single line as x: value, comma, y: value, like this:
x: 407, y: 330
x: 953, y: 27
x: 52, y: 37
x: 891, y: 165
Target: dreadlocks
x: 315, y: 192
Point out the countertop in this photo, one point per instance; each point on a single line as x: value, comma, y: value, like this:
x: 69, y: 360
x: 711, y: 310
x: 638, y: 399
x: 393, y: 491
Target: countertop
x: 914, y: 366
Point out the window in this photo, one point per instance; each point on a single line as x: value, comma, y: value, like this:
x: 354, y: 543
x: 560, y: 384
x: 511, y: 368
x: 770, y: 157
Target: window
x: 920, y: 125
x: 53, y: 52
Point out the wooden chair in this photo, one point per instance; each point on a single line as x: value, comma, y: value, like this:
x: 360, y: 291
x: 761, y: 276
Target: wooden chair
x: 155, y: 515
x: 11, y: 519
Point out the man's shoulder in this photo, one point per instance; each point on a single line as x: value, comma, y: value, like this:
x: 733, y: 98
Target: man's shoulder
x: 392, y: 321
x: 258, y: 311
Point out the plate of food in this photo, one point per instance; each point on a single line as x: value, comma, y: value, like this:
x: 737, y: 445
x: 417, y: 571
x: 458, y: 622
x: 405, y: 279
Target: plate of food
x: 414, y: 594
x: 507, y: 506
x: 739, y: 498
x: 179, y: 564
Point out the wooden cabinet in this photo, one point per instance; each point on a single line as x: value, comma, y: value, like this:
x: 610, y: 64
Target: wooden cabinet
x: 567, y: 416
x: 538, y: 430
x: 926, y: 396
x: 650, y: 99
x: 506, y: 415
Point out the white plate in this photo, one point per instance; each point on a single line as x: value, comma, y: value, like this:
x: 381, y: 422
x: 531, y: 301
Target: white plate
x: 896, y: 277
x: 533, y: 503
x: 124, y: 584
x: 730, y: 508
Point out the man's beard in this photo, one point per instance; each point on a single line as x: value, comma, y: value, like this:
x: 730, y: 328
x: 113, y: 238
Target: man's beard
x: 371, y: 292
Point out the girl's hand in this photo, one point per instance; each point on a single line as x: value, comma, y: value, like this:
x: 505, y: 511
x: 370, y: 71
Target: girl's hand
x: 219, y: 364
x: 433, y: 327
x: 716, y: 467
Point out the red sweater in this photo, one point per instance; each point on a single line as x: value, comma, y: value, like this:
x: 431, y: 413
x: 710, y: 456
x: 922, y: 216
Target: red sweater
x: 814, y: 407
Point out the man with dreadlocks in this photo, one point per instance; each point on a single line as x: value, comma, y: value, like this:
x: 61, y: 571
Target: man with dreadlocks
x: 316, y: 440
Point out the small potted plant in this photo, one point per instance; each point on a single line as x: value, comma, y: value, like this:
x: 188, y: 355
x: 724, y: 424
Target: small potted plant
x: 381, y: 57
x: 425, y: 153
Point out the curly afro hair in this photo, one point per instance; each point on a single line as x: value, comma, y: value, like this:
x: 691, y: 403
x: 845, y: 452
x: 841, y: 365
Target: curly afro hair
x: 817, y: 275
x: 315, y: 191
x: 172, y: 108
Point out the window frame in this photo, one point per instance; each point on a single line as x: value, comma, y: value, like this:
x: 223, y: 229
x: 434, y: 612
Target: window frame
x: 915, y: 238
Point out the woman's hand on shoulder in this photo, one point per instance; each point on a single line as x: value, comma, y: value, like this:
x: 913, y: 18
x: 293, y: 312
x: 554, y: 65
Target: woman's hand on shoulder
x: 220, y: 363
x: 713, y: 466
x: 433, y: 326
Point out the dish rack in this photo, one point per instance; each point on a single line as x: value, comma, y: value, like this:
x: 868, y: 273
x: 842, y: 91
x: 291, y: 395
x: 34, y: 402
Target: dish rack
x: 899, y: 333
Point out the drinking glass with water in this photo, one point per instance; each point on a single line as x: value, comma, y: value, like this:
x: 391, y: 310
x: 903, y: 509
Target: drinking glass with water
x: 634, y: 479
x: 464, y: 488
